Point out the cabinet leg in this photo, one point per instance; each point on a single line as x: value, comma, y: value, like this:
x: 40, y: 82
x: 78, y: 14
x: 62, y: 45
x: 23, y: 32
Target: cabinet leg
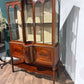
x: 58, y: 70
x: 54, y: 73
x: 58, y: 73
x: 12, y: 64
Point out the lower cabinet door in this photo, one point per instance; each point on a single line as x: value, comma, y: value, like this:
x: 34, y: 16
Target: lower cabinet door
x: 43, y: 56
x: 28, y: 54
x: 16, y: 50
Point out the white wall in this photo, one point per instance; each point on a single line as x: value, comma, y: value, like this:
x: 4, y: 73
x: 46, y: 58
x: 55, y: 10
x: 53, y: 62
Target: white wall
x: 68, y: 36
x: 66, y: 6
x: 68, y: 42
x: 80, y: 46
x: 72, y: 41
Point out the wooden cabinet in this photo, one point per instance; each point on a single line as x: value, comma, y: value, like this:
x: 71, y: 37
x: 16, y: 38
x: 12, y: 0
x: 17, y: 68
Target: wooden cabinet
x: 34, y: 34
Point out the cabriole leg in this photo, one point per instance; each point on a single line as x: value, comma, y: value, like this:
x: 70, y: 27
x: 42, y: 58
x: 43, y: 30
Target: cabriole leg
x: 12, y: 64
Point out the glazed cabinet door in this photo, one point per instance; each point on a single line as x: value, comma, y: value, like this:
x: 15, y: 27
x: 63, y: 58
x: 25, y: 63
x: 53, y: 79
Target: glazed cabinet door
x: 39, y: 22
x: 12, y: 23
x: 28, y: 16
x: 43, y: 21
x: 15, y: 22
x: 57, y: 11
x: 47, y: 22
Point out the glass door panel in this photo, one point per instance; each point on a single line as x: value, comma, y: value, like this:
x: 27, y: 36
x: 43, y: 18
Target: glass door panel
x: 57, y: 21
x: 12, y: 23
x: 18, y: 23
x: 48, y: 22
x: 28, y: 14
x: 38, y: 22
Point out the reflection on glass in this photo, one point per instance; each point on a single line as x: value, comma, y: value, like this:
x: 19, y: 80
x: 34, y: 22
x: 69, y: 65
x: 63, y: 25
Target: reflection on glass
x: 48, y: 22
x: 12, y: 23
x: 38, y: 21
x: 29, y: 22
x: 18, y: 23
x: 57, y: 21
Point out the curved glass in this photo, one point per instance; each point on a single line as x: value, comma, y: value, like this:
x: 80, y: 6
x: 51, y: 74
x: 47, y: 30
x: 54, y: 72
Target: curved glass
x: 48, y: 22
x: 28, y: 14
x: 12, y: 23
x: 57, y: 21
x: 38, y: 22
x: 18, y: 23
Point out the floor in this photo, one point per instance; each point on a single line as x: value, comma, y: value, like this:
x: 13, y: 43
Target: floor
x: 21, y: 76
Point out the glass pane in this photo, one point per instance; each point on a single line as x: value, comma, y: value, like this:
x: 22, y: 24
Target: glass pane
x: 28, y: 14
x: 18, y: 23
x: 48, y: 22
x: 12, y: 23
x: 57, y: 21
x: 38, y: 21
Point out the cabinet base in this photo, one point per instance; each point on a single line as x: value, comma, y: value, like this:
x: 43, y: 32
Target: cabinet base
x: 36, y: 69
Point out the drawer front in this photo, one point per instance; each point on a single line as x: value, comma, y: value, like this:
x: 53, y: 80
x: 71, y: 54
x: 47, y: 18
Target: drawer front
x: 43, y: 55
x: 16, y: 50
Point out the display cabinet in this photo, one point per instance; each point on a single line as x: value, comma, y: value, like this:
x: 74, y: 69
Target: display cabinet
x: 34, y: 34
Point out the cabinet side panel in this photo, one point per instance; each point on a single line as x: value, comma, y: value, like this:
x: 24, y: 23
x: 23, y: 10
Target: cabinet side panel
x: 56, y: 54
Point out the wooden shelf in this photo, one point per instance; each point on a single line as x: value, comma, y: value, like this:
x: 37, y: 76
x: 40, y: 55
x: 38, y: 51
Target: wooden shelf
x: 35, y: 69
x: 38, y: 23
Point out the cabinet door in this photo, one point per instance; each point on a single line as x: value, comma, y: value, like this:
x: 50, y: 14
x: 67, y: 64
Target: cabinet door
x: 16, y: 50
x: 15, y: 23
x: 38, y: 22
x: 43, y: 55
x: 18, y: 23
x: 43, y: 21
x: 57, y: 22
x: 28, y: 15
x: 48, y: 22
x: 12, y: 23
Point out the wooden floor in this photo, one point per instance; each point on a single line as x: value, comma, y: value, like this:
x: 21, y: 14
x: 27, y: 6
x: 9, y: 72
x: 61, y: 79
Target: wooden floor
x: 22, y: 77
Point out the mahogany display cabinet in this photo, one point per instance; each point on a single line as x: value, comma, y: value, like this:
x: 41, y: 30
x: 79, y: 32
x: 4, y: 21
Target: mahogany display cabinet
x: 34, y: 34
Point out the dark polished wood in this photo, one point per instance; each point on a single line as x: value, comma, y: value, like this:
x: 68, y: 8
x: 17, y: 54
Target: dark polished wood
x: 16, y: 50
x: 28, y: 51
x: 12, y: 64
x: 35, y: 68
x: 35, y: 57
x: 44, y: 56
